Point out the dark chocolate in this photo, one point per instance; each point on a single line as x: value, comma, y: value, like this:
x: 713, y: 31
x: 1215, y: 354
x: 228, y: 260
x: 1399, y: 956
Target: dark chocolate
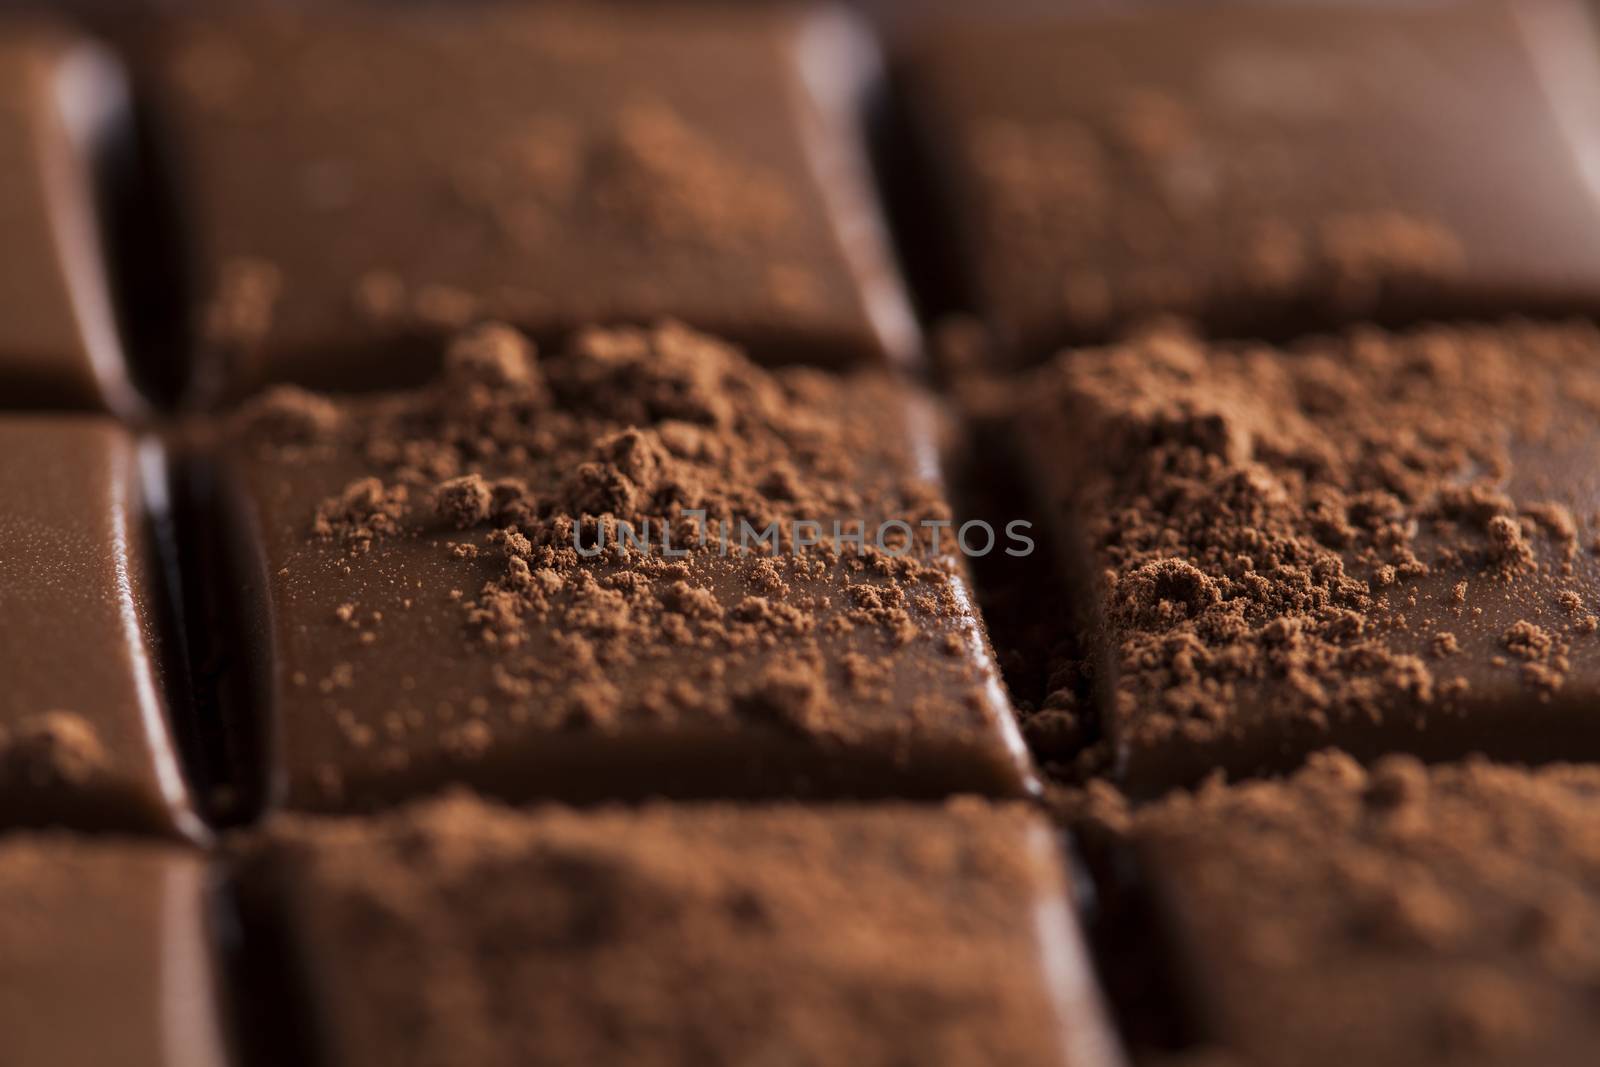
x: 84, y: 733
x: 358, y: 186
x: 1266, y: 169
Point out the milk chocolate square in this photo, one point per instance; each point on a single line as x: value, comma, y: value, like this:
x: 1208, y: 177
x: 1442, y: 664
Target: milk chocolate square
x: 586, y: 574
x: 1398, y: 916
x: 1381, y: 542
x: 357, y: 186
x: 685, y: 935
x: 1266, y: 169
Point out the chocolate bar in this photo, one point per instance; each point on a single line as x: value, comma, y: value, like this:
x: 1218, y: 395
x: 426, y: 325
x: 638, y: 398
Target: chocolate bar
x: 85, y: 737
x: 684, y: 934
x: 548, y: 166
x: 620, y: 569
x: 1381, y: 542
x: 1267, y: 170
x: 61, y: 100
x: 528, y: 620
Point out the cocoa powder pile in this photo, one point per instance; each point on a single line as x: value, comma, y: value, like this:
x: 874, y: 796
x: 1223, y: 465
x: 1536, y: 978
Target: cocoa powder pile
x: 441, y: 608
x: 1376, y: 541
x: 1396, y: 915
x: 458, y: 931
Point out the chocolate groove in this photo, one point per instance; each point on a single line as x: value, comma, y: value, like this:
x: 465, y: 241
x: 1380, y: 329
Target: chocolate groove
x: 136, y: 211
x: 1131, y: 943
x: 927, y: 251
x: 222, y: 674
x: 156, y: 473
x: 1025, y: 601
x: 267, y: 1007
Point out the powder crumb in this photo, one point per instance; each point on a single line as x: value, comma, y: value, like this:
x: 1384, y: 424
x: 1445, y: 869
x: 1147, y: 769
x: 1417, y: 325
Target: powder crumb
x: 1507, y: 546
x: 290, y: 415
x: 364, y: 512
x: 1396, y: 782
x: 1557, y: 521
x: 52, y: 749
x: 786, y: 695
x: 1528, y: 641
x: 492, y: 355
x: 242, y: 308
x: 464, y: 502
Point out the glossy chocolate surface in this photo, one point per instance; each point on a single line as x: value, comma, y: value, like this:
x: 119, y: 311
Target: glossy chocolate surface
x: 1267, y: 169
x: 355, y: 187
x: 84, y: 729
x: 61, y: 98
x: 414, y: 616
x: 107, y: 954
